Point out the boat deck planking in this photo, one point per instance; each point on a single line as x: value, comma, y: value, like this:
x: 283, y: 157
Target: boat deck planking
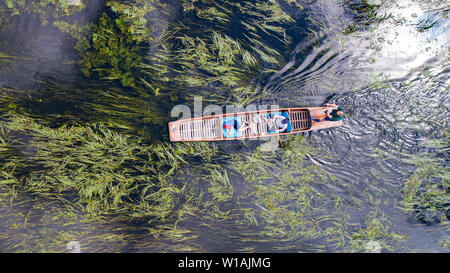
x: 210, y: 128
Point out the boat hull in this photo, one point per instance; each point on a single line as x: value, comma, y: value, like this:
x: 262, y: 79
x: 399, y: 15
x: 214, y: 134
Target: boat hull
x: 211, y: 128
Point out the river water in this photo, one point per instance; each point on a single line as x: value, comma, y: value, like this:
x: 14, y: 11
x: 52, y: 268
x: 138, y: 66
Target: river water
x: 391, y: 77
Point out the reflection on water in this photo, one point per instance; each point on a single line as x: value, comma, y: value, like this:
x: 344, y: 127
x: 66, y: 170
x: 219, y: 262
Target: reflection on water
x: 392, y: 78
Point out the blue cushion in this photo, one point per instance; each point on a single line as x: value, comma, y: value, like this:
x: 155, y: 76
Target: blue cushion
x: 230, y: 121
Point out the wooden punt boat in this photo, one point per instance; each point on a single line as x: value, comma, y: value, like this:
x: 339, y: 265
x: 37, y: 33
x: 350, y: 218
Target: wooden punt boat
x: 214, y: 128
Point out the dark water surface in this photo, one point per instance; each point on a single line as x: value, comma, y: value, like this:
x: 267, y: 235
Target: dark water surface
x: 391, y: 77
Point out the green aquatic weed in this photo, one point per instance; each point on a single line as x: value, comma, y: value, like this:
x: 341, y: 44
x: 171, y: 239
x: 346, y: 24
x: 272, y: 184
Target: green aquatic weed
x: 377, y: 229
x: 116, y: 47
x: 47, y: 10
x: 425, y: 191
x: 218, y: 56
x: 114, y: 53
x: 365, y: 13
x: 107, y: 172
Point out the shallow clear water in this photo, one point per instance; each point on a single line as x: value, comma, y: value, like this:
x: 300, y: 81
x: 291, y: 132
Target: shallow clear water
x: 391, y: 77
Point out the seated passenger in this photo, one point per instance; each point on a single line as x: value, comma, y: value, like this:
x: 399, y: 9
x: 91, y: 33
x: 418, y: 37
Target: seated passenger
x: 278, y: 123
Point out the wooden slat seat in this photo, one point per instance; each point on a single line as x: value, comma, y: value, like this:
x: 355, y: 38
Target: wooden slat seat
x: 200, y: 129
x: 300, y: 120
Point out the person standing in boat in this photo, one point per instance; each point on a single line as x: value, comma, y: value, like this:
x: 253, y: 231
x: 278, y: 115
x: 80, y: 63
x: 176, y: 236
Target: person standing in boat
x: 336, y: 114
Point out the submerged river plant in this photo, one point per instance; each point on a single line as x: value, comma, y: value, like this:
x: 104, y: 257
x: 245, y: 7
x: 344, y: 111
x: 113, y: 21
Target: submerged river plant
x: 84, y: 150
x: 366, y: 13
x: 426, y: 191
x: 45, y: 9
x: 212, y: 54
x: 113, y: 49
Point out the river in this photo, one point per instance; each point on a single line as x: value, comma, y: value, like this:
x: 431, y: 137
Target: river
x: 381, y: 178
